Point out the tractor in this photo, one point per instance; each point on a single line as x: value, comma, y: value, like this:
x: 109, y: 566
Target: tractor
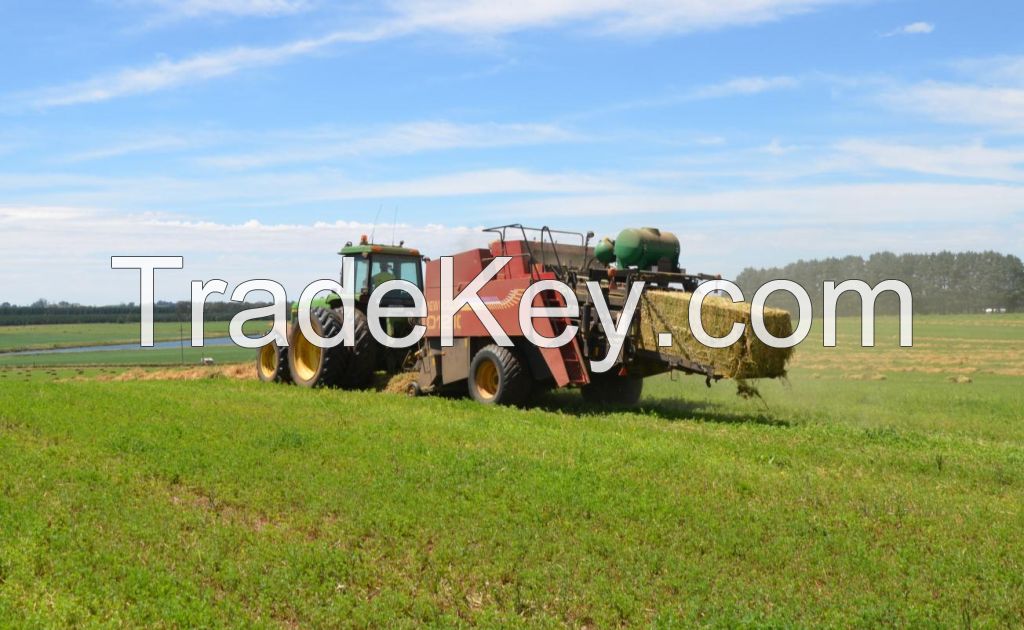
x: 476, y: 365
x: 349, y: 367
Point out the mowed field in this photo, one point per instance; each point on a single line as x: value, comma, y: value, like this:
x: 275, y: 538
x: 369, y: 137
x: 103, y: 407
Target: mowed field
x: 876, y: 487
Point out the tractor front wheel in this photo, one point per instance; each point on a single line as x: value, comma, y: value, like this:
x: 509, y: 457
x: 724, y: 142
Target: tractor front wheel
x: 311, y: 365
x: 272, y: 364
x: 498, y: 377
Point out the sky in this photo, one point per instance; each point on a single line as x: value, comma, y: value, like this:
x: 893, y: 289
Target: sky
x: 255, y: 137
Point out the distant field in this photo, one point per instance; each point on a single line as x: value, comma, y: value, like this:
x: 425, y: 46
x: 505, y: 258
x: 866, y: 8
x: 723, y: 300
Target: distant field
x: 869, y: 490
x: 44, y: 337
x: 40, y: 337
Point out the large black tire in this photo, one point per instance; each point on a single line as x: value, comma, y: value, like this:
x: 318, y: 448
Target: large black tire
x: 609, y: 388
x: 272, y: 364
x: 363, y: 354
x: 312, y: 366
x: 497, y: 376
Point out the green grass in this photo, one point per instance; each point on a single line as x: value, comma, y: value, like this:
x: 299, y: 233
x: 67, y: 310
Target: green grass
x: 836, y: 500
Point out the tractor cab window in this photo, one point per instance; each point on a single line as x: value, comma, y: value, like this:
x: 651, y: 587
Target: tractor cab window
x: 385, y: 268
x: 362, y: 269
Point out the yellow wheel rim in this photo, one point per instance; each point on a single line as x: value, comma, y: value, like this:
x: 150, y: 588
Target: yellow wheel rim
x: 486, y: 379
x: 307, y: 358
x: 268, y: 360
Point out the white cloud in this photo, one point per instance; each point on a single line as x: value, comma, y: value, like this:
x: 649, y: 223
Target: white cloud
x: 710, y: 141
x: 168, y: 74
x: 970, y: 161
x: 915, y: 28
x: 467, y: 17
x: 62, y: 249
x: 990, y: 95
x: 255, y: 8
x: 776, y: 148
x: 276, y: 190
x: 155, y: 143
x: 740, y: 86
x: 404, y: 139
x: 999, y: 70
x: 838, y: 205
x: 999, y: 108
x: 634, y: 17
x: 743, y: 86
x: 64, y: 252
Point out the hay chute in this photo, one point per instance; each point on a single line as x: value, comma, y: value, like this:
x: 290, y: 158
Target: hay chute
x: 748, y: 358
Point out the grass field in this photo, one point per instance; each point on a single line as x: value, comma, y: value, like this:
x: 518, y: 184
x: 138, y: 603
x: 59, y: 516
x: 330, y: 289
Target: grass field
x: 870, y: 490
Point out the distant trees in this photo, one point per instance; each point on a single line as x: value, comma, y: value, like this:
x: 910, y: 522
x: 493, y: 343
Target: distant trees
x: 944, y: 282
x: 43, y: 312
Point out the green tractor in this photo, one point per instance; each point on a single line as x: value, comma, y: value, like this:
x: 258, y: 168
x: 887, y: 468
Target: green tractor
x: 348, y: 367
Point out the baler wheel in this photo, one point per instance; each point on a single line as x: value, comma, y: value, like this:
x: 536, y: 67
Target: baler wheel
x: 498, y: 377
x: 272, y: 364
x: 611, y: 388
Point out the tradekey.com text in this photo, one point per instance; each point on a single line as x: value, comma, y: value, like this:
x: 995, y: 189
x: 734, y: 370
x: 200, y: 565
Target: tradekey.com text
x: 615, y: 327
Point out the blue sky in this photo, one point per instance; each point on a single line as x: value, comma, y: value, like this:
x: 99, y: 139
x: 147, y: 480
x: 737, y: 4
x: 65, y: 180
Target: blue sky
x: 254, y: 137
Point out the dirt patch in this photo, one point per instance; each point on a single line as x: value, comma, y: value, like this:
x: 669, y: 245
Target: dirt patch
x: 224, y: 511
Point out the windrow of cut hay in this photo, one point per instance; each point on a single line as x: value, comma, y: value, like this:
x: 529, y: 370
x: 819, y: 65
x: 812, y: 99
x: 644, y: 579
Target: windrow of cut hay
x: 668, y: 311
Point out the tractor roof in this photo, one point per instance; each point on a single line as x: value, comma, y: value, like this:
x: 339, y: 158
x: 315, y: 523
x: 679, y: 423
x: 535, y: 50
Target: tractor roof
x: 371, y: 248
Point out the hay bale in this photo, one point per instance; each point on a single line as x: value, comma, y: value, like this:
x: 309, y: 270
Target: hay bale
x: 746, y: 359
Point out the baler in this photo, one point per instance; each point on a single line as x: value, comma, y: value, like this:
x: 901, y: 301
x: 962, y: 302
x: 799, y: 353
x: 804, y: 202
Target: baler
x: 476, y: 365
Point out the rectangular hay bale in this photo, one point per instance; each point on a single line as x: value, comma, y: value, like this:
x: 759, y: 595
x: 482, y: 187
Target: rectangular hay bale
x: 668, y: 311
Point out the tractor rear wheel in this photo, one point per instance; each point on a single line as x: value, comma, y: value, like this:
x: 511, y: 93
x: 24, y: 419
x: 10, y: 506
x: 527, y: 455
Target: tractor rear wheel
x: 311, y: 365
x: 272, y: 364
x: 610, y: 388
x: 498, y: 377
x: 362, y: 361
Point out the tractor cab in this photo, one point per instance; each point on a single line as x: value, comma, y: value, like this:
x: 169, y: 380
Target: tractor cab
x: 377, y: 264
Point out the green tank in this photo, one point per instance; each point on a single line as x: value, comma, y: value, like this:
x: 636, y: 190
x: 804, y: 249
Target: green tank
x: 644, y: 248
x: 604, y: 251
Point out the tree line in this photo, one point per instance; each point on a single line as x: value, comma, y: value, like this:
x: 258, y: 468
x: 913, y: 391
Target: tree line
x: 45, y: 312
x: 943, y: 282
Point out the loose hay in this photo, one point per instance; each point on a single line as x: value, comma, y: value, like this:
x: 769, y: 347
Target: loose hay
x: 748, y: 358
x: 235, y: 371
x: 399, y: 383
